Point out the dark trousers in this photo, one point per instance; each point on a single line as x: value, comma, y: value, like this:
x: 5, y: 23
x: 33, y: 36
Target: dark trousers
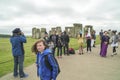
x: 89, y: 44
x: 59, y: 51
x: 114, y: 49
x: 54, y: 51
x: 65, y: 48
x: 18, y: 63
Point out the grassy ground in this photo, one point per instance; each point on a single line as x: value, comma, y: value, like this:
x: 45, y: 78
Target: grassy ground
x: 6, y: 59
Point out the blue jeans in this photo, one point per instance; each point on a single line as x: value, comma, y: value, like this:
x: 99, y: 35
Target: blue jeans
x: 18, y: 61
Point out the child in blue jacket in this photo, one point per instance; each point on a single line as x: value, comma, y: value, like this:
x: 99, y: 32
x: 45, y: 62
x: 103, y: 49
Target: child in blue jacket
x: 41, y: 50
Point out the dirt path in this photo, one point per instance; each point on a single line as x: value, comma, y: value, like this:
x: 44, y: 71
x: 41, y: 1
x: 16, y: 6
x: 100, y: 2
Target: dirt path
x: 89, y: 66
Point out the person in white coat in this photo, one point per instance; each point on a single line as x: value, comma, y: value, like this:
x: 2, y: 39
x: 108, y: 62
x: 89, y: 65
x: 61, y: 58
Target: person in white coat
x: 114, y: 43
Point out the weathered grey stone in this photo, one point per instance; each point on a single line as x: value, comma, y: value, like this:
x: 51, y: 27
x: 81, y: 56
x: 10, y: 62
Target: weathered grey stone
x: 43, y: 30
x: 53, y: 30
x: 38, y: 33
x: 34, y: 32
x: 88, y: 26
x: 70, y: 31
x: 77, y: 28
x: 58, y: 29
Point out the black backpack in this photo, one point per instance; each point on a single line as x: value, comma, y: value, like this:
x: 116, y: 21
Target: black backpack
x: 49, y: 65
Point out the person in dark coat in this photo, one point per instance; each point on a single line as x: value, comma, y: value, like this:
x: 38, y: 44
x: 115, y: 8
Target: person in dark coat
x: 65, y: 43
x: 59, y: 45
x: 54, y: 39
x: 17, y: 41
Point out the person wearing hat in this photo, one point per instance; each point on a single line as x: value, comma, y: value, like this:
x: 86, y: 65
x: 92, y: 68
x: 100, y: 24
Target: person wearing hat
x: 17, y: 40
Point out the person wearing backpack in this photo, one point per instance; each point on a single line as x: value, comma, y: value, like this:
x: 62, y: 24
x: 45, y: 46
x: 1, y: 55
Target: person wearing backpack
x: 47, y: 66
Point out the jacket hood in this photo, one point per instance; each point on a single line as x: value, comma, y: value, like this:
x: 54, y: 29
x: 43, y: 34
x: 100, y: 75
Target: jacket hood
x: 47, y: 51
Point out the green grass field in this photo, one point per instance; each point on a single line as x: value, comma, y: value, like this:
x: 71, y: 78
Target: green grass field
x: 6, y: 59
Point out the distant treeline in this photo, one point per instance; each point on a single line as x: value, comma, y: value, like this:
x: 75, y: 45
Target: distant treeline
x: 5, y: 35
x: 8, y: 36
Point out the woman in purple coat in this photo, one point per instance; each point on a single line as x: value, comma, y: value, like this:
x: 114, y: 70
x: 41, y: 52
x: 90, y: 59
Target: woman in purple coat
x: 105, y: 40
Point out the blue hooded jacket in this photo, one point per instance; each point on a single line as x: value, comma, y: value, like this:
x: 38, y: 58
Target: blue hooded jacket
x: 43, y: 71
x: 17, y: 44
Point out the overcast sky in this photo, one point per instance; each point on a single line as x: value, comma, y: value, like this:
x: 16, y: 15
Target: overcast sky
x: 27, y: 14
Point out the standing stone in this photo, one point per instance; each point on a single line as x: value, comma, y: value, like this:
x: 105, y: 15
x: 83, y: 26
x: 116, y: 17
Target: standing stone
x: 53, y: 30
x: 70, y: 31
x: 43, y: 30
x: 50, y: 32
x: 87, y: 27
x: 77, y: 28
x: 34, y: 32
x: 37, y: 33
x: 58, y: 29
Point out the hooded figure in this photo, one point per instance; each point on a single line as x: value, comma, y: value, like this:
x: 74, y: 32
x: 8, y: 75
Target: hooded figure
x: 17, y: 41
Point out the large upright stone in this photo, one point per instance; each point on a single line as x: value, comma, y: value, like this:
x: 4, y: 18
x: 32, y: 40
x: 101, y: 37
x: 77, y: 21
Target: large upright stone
x: 53, y: 29
x: 58, y: 29
x: 34, y: 32
x: 43, y: 30
x: 70, y: 31
x: 77, y: 28
x: 50, y: 32
x: 87, y: 27
x: 38, y: 34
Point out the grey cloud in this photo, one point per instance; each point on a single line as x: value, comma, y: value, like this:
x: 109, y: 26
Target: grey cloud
x: 25, y: 8
x: 61, y: 8
x: 69, y: 2
x: 6, y: 10
x: 100, y: 12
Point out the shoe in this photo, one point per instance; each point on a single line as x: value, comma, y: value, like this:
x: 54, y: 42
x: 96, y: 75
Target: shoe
x: 15, y: 76
x: 112, y: 55
x: 24, y: 76
x: 115, y: 54
x: 61, y: 57
x: 89, y: 52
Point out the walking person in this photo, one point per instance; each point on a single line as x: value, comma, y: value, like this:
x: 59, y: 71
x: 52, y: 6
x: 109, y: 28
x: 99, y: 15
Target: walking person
x: 100, y: 35
x: 104, y: 41
x: 80, y: 42
x: 18, y: 52
x: 93, y: 38
x: 114, y: 43
x: 47, y: 66
x: 88, y: 41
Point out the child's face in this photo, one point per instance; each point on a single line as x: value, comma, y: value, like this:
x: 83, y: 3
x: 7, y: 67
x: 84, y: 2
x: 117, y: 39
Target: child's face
x: 40, y: 46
